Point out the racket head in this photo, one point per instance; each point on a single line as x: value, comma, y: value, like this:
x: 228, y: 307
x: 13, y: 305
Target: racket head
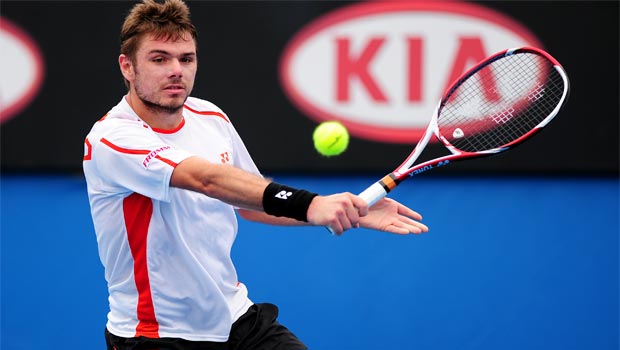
x: 501, y: 102
x: 497, y: 104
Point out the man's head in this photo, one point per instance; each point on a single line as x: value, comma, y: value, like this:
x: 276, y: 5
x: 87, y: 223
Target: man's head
x: 158, y: 52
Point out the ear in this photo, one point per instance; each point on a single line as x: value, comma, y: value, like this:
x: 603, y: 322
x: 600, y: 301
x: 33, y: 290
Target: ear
x: 126, y: 67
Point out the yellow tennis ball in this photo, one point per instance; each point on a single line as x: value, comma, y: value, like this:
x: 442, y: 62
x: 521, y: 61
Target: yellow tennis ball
x: 330, y: 138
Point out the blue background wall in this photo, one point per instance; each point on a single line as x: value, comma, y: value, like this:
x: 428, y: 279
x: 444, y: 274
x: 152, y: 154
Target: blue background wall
x: 509, y: 263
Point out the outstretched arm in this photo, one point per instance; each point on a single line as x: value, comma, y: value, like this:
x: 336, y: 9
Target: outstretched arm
x: 245, y: 190
x: 224, y: 182
x: 386, y: 215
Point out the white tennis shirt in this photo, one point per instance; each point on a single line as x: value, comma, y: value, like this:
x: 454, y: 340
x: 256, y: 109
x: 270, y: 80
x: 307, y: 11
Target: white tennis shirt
x: 166, y: 251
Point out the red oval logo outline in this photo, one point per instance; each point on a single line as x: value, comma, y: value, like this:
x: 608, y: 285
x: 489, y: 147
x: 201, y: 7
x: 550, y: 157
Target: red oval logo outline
x: 15, y: 106
x: 342, y: 15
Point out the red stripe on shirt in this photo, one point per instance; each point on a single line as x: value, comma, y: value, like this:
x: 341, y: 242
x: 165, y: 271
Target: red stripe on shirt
x: 137, y: 151
x: 89, y: 150
x: 137, y: 210
x: 124, y: 150
x: 167, y: 161
x: 217, y: 114
x: 170, y: 131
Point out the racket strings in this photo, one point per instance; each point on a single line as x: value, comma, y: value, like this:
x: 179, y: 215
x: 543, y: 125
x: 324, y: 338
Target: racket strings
x: 500, y: 102
x: 476, y: 128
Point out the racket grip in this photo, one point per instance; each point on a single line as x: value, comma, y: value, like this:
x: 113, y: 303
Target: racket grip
x: 373, y: 193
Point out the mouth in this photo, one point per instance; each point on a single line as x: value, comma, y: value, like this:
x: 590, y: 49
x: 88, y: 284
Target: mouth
x: 175, y: 88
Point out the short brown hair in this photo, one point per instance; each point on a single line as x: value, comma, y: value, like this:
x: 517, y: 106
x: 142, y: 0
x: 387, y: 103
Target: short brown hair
x: 169, y: 19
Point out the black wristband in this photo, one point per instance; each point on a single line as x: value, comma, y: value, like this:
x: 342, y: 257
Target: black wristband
x: 280, y: 200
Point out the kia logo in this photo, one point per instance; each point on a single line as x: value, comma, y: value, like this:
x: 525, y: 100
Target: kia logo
x: 22, y: 70
x: 380, y: 68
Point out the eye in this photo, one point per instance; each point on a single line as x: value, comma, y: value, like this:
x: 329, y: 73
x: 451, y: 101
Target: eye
x: 158, y: 59
x: 187, y: 59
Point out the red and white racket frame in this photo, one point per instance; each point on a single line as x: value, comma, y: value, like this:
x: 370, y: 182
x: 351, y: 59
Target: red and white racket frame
x: 382, y: 187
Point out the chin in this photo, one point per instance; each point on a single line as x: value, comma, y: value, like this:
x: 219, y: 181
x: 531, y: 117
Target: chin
x: 174, y: 102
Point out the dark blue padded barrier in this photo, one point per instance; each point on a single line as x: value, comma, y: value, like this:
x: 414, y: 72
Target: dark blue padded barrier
x: 509, y: 263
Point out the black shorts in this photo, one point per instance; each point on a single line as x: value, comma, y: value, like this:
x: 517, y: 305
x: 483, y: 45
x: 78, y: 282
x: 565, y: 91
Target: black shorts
x: 257, y: 329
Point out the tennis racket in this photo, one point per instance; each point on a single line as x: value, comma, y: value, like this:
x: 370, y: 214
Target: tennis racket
x: 499, y: 103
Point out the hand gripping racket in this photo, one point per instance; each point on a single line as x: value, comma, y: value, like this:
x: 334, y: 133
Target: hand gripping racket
x: 501, y: 102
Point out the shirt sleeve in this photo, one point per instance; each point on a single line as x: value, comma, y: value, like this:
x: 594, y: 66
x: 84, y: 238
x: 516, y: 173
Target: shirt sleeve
x: 131, y: 158
x: 242, y: 158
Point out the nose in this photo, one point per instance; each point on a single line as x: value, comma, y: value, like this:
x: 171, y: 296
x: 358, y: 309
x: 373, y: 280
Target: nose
x: 175, y: 69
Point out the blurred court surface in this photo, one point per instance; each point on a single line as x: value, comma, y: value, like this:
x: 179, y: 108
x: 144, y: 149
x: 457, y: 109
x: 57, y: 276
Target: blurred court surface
x: 509, y: 263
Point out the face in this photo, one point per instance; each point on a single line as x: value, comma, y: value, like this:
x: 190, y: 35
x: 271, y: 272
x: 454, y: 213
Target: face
x: 162, y: 73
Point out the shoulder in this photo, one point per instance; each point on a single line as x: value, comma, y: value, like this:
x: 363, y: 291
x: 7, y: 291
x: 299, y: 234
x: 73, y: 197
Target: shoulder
x: 121, y: 114
x: 204, y: 108
x: 201, y: 104
x: 117, y: 122
x: 112, y: 121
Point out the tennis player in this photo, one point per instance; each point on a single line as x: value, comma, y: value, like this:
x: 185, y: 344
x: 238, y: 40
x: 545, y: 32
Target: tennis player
x: 166, y: 174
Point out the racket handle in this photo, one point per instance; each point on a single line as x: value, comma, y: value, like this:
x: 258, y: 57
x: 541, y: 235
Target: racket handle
x: 373, y: 193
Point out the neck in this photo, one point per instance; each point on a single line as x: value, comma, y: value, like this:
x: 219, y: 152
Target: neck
x: 155, y: 116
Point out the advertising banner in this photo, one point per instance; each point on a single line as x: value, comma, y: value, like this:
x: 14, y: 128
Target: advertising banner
x: 279, y: 68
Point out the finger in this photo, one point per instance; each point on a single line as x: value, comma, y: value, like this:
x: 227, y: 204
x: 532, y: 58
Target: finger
x: 400, y: 230
x: 348, y: 215
x: 353, y: 216
x: 405, y: 211
x: 341, y: 220
x: 419, y: 228
x: 336, y: 229
x: 360, y: 205
x: 422, y: 227
x: 407, y: 225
